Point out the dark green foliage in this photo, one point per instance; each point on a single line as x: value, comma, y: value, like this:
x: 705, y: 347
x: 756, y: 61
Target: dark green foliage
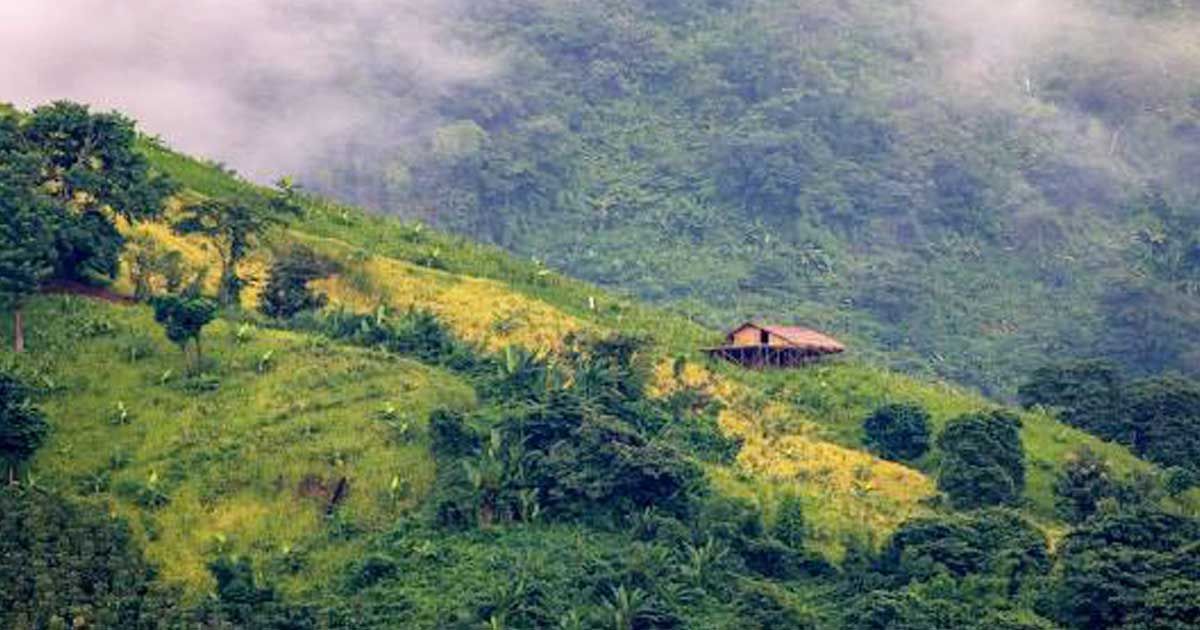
x: 898, y: 432
x: 23, y: 427
x: 183, y: 317
x: 886, y: 610
x: 995, y: 542
x: 287, y: 291
x: 88, y: 249
x: 1082, y: 483
x: 1163, y: 420
x: 982, y: 460
x: 1087, y: 393
x: 581, y: 461
x: 1158, y: 417
x: 66, y: 564
x: 414, y: 332
x: 1129, y: 569
x: 370, y: 571
x: 1180, y: 480
x: 236, y: 584
x: 95, y: 154
x: 449, y: 434
x: 789, y: 522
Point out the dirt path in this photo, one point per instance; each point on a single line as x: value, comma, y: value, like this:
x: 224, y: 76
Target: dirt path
x: 70, y: 287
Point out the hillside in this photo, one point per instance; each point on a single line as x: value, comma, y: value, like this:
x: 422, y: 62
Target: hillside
x: 307, y: 468
x: 965, y: 188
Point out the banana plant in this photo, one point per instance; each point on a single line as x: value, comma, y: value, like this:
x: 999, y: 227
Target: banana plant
x: 624, y: 607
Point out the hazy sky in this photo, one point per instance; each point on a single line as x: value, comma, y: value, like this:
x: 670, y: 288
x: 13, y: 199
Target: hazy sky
x: 260, y: 84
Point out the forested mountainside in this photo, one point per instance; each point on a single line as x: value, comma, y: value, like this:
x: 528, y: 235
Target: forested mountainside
x: 969, y: 187
x: 229, y: 406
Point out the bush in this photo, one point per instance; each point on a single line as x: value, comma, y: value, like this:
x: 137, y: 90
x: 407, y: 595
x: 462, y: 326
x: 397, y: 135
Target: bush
x: 789, y: 522
x: 1130, y: 569
x: 898, y: 432
x: 287, y: 291
x: 1084, y: 481
x: 1163, y: 421
x: 23, y: 428
x: 983, y: 460
x: 63, y: 560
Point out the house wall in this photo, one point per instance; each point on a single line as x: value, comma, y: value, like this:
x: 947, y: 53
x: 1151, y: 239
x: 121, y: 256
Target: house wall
x: 747, y: 336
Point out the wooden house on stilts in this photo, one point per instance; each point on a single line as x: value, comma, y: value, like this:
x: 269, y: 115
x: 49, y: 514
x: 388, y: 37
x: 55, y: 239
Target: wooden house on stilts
x: 759, y: 346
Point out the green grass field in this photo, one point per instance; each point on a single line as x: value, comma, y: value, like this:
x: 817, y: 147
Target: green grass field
x: 244, y: 459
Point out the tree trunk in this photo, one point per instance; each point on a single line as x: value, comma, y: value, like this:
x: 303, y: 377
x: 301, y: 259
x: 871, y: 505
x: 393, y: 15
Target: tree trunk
x: 18, y: 331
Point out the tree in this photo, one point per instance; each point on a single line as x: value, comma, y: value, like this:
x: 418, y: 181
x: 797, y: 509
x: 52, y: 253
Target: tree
x: 26, y: 234
x: 1086, y: 393
x: 22, y: 425
x: 183, y: 317
x: 996, y: 541
x: 287, y: 291
x: 26, y: 253
x: 65, y: 174
x: 1127, y: 567
x: 91, y: 168
x: 983, y: 460
x: 91, y: 161
x: 898, y: 432
x: 235, y: 227
x: 1084, y: 480
x: 1163, y: 420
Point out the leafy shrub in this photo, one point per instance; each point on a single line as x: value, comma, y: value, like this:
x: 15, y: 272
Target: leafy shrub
x: 23, y: 427
x: 287, y: 291
x: 1083, y: 482
x: 997, y: 542
x: 789, y: 522
x: 183, y: 317
x: 982, y: 459
x: 371, y: 570
x: 68, y: 562
x: 415, y: 332
x: 1129, y: 568
x: 898, y: 432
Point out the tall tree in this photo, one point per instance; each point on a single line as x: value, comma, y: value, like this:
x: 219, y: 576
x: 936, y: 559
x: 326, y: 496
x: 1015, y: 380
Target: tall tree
x: 92, y: 162
x: 26, y: 235
x: 66, y: 174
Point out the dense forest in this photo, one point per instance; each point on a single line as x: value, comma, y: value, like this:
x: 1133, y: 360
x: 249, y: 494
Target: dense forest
x: 230, y: 406
x: 962, y: 187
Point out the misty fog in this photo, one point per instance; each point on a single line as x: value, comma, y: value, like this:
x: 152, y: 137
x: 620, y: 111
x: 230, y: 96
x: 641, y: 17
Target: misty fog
x: 262, y: 85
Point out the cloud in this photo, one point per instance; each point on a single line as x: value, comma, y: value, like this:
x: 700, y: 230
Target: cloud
x: 264, y: 85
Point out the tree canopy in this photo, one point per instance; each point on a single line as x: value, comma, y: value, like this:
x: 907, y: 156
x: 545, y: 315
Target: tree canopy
x: 982, y: 459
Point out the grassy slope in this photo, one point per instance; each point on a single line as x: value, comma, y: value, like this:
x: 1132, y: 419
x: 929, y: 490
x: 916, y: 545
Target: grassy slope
x: 232, y: 461
x: 525, y: 300
x: 243, y: 466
